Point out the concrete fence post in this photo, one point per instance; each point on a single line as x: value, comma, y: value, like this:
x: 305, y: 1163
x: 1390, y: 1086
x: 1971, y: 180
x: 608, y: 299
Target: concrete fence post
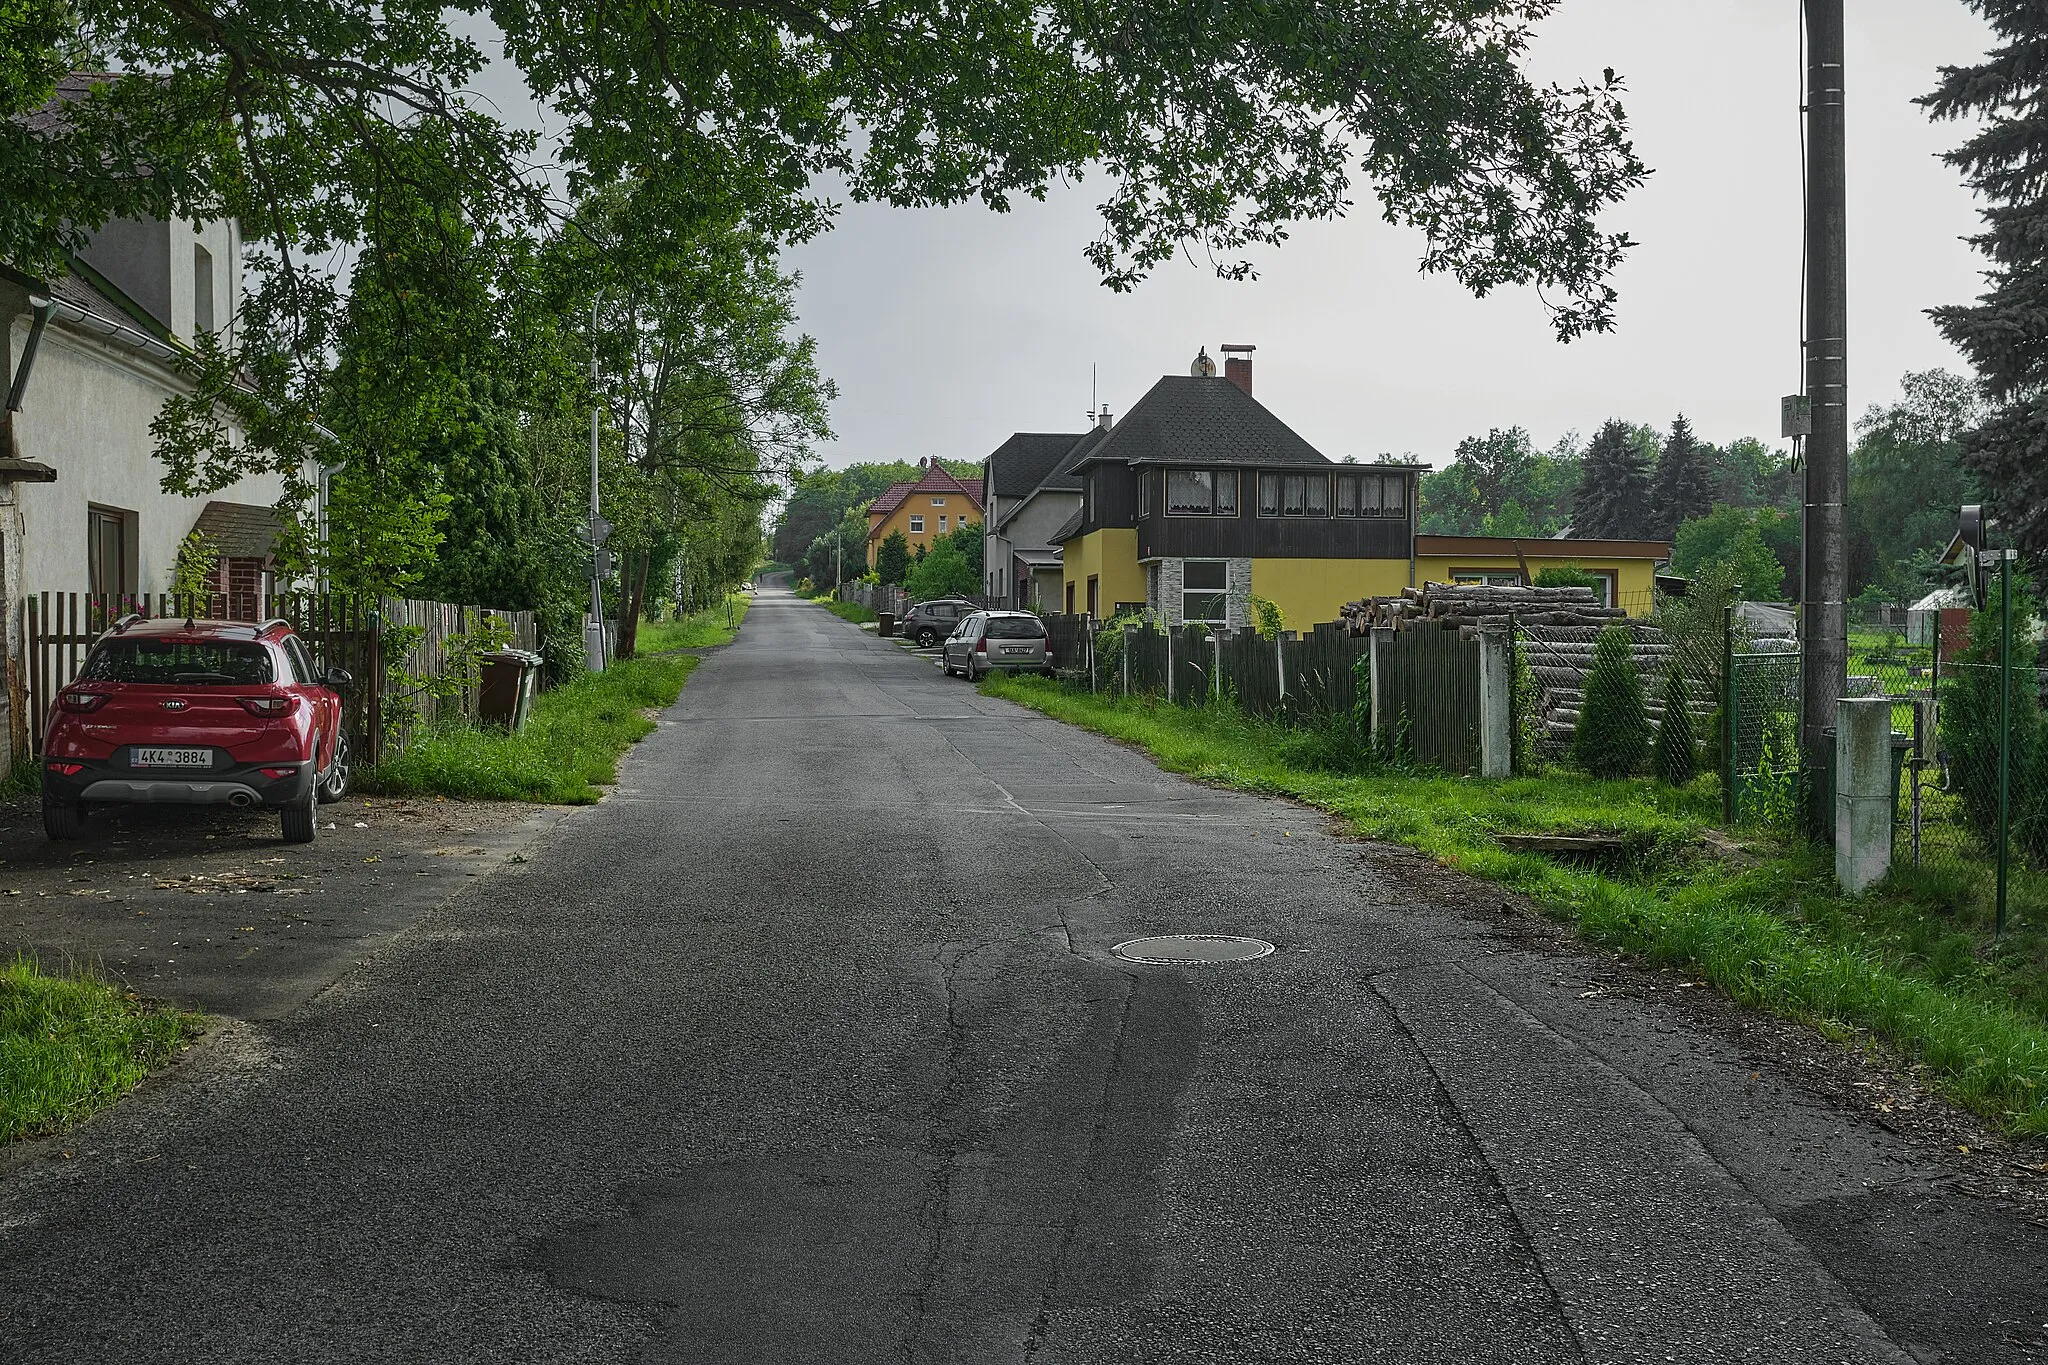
x: 1864, y: 808
x: 1128, y: 633
x: 1496, y: 704
x: 1377, y: 642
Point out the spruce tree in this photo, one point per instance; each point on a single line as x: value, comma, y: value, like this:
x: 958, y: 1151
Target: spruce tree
x: 1613, y: 737
x: 892, y: 560
x: 1685, y: 486
x: 1613, y: 496
x: 1677, y: 754
x: 2005, y: 333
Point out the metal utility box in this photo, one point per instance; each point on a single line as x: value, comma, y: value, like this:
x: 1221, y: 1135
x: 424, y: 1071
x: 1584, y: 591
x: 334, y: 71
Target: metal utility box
x: 505, y: 693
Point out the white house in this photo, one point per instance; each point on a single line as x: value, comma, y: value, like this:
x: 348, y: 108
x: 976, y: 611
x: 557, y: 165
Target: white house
x: 90, y: 358
x: 1032, y: 492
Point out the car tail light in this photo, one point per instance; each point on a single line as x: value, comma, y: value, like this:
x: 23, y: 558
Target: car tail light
x: 81, y: 702
x: 981, y: 646
x: 67, y: 769
x: 270, y: 706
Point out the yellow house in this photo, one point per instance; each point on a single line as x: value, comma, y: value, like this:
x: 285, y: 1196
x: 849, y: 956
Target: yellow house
x: 931, y: 507
x: 1200, y: 500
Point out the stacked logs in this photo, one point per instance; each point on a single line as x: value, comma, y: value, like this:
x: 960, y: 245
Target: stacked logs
x: 1558, y: 628
x: 1475, y: 606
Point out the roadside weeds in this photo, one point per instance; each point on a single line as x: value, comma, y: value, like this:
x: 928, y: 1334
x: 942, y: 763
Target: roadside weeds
x: 1774, y: 935
x: 72, y: 1044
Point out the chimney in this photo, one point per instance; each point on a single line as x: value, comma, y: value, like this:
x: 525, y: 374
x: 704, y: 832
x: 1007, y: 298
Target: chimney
x: 1237, y: 366
x: 1102, y: 420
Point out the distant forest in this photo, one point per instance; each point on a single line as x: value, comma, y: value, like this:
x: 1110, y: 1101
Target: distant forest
x: 1738, y: 502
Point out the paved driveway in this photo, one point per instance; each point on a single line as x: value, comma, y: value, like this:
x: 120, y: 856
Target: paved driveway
x: 808, y: 1047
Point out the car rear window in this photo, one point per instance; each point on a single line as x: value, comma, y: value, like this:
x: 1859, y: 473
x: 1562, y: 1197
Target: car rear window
x: 1014, y: 628
x: 178, y: 662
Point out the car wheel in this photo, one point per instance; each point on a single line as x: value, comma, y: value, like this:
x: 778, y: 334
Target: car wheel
x: 302, y: 818
x: 926, y: 638
x: 62, y: 819
x: 334, y: 785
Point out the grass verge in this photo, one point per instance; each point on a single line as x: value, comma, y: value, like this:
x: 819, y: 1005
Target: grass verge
x: 571, y: 743
x: 846, y: 611
x: 699, y: 630
x: 1774, y: 934
x: 70, y: 1045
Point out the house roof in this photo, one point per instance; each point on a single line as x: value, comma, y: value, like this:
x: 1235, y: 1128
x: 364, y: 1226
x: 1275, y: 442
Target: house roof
x: 1541, y: 547
x: 1038, y: 559
x: 1191, y: 419
x: 1021, y: 463
x: 1069, y: 528
x: 936, y: 478
x: 890, y: 499
x: 1063, y: 476
x: 241, y: 530
x: 53, y: 117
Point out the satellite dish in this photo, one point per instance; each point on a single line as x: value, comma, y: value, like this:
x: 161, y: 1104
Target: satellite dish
x: 1203, y: 368
x: 1974, y: 528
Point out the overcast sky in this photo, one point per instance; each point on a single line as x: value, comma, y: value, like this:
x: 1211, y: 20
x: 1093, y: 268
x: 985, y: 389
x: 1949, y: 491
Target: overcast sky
x: 948, y: 329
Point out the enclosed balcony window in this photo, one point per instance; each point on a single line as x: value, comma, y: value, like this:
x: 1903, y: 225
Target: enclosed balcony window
x: 1205, y: 592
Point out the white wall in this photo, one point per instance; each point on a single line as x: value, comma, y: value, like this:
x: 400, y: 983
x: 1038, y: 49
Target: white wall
x: 87, y: 414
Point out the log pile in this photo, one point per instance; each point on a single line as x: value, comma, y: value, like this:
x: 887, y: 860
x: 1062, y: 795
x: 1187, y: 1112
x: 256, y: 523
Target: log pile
x: 1474, y: 606
x: 1558, y: 628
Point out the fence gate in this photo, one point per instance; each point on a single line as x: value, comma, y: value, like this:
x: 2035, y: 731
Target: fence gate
x: 1760, y: 739
x: 1430, y: 682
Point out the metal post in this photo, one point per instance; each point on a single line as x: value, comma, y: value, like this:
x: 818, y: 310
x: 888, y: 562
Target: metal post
x: 2004, y: 734
x: 1824, y: 662
x: 1728, y: 715
x: 1128, y: 632
x: 596, y: 579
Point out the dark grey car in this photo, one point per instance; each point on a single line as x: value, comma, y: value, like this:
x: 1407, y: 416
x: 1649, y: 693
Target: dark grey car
x: 997, y: 639
x: 930, y: 622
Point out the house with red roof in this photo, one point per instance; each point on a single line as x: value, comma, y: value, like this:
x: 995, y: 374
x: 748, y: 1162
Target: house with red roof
x: 925, y: 509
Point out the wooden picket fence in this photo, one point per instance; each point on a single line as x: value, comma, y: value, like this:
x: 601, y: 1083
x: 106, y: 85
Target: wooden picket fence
x: 58, y: 630
x: 1430, y: 689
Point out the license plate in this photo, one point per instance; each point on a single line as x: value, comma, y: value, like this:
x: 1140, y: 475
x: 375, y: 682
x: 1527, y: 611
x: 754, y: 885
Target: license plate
x: 172, y: 758
x: 1016, y: 649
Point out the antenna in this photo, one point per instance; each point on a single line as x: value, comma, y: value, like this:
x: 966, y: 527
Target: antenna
x: 1091, y: 393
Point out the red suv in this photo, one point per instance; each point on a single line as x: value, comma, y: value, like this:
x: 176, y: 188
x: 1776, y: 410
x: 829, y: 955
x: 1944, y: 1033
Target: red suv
x: 197, y: 713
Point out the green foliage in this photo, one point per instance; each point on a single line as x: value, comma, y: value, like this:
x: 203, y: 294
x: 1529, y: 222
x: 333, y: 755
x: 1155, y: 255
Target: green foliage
x: 73, y: 1044
x: 1109, y: 646
x: 1613, y: 494
x: 714, y: 625
x: 1500, y: 485
x: 1906, y: 480
x: 1613, y: 735
x: 1683, y: 483
x: 1269, y: 620
x: 1970, y: 734
x: 1737, y: 537
x: 1676, y: 758
x: 569, y: 748
x: 2004, y: 335
x: 198, y: 558
x: 1566, y: 576
x: 944, y: 572
x: 892, y: 558
x: 841, y: 549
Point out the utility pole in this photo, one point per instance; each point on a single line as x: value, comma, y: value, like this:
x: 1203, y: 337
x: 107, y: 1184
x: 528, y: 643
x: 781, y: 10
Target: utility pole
x: 1824, y: 626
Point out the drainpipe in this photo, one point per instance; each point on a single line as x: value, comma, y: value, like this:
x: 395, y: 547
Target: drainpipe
x: 44, y: 306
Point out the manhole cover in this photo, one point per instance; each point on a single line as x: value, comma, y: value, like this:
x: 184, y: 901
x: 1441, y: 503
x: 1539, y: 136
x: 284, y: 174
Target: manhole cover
x: 1193, y: 948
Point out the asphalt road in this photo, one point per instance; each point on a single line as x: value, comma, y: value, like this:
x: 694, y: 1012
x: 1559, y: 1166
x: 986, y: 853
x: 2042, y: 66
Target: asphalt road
x: 807, y: 1047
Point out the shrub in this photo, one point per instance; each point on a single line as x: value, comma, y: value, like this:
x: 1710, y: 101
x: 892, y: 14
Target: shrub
x: 1566, y: 576
x: 1969, y: 727
x: 1267, y: 614
x: 1613, y: 736
x: 1677, y: 755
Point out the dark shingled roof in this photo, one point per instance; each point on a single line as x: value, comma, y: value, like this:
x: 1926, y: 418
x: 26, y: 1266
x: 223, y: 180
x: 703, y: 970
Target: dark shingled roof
x: 1021, y: 463
x: 1069, y: 528
x: 1063, y: 476
x: 1188, y: 419
x: 240, y: 529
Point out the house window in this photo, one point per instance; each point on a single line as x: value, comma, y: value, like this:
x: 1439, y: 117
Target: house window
x: 1372, y: 495
x: 1201, y: 492
x: 202, y: 291
x: 1226, y: 492
x: 916, y: 525
x: 1145, y: 479
x: 1269, y: 495
x: 1205, y: 594
x: 1394, y: 495
x: 938, y: 502
x: 1318, y: 495
x: 942, y: 523
x: 1488, y: 578
x: 110, y: 550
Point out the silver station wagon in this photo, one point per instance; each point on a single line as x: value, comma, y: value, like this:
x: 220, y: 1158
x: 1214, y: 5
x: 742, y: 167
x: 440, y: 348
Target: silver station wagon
x: 997, y: 639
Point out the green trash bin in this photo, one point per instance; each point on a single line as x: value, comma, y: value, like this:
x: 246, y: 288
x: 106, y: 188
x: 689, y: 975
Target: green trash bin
x: 505, y: 692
